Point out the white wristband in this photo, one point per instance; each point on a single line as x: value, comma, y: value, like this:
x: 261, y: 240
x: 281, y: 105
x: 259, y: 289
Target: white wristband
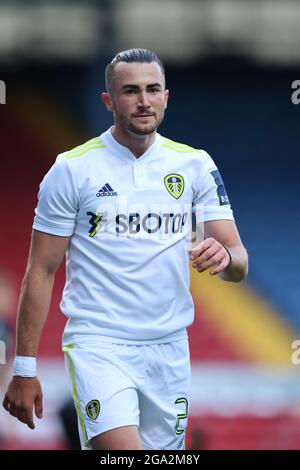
x: 25, y: 366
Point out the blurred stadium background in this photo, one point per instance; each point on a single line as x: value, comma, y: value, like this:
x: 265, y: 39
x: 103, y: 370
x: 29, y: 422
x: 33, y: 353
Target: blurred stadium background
x: 230, y: 65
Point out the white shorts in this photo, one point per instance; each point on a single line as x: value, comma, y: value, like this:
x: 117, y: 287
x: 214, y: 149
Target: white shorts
x: 116, y: 385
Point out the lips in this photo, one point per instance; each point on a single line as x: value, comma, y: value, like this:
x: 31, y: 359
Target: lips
x: 143, y: 115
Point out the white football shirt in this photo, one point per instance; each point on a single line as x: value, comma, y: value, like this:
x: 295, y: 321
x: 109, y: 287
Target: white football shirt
x: 127, y: 264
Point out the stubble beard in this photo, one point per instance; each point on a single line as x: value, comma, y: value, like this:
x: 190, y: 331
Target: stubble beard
x: 129, y: 125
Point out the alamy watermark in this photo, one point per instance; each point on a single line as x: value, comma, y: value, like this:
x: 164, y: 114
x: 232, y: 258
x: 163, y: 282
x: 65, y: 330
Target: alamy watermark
x: 296, y: 94
x: 2, y: 92
x: 295, y: 358
x: 2, y: 352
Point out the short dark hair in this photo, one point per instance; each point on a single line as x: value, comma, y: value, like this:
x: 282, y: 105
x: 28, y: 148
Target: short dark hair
x: 130, y: 55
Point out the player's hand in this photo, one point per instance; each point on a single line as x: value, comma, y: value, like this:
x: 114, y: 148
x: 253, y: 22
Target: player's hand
x: 22, y: 395
x: 210, y: 254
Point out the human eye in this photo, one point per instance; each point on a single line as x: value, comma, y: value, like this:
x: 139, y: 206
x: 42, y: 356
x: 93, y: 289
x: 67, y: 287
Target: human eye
x: 130, y: 91
x: 154, y: 90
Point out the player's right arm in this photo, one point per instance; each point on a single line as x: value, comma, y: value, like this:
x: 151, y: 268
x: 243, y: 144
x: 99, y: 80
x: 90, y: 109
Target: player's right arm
x: 46, y: 254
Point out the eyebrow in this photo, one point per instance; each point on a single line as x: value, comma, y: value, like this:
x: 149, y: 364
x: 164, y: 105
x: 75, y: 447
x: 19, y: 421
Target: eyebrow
x: 136, y: 87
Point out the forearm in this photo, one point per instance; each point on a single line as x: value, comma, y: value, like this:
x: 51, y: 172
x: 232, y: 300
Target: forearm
x: 33, y: 308
x: 238, y: 267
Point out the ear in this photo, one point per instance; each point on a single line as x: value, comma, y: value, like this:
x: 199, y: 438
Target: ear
x: 167, y: 94
x: 107, y: 101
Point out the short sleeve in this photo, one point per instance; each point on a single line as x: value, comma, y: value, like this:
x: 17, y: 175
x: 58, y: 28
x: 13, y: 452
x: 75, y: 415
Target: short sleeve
x: 58, y: 201
x: 210, y: 192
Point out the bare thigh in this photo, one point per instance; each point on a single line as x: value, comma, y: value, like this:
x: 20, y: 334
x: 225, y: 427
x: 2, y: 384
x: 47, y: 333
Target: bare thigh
x: 123, y: 438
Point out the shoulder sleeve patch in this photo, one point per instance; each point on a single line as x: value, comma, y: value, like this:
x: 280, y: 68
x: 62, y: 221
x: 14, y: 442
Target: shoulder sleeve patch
x: 221, y: 191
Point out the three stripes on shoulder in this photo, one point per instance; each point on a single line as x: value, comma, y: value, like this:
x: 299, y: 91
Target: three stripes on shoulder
x: 96, y: 143
x: 178, y: 147
x: 82, y: 149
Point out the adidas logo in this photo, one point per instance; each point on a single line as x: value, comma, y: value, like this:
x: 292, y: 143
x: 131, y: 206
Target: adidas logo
x: 106, y: 190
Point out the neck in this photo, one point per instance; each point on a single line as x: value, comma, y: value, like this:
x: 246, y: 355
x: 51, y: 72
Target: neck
x: 137, y: 144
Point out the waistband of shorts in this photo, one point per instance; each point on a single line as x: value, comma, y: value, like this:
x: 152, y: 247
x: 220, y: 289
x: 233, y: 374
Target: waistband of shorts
x: 95, y: 339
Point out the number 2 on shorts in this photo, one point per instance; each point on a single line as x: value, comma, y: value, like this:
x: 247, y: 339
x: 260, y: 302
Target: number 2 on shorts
x: 180, y: 416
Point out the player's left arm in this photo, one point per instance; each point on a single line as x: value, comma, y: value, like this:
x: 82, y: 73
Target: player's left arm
x: 222, y: 251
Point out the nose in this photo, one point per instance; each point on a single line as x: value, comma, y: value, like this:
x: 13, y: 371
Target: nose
x: 143, y: 100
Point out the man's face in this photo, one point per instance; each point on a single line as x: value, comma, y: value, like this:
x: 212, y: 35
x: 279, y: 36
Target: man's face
x: 138, y: 98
